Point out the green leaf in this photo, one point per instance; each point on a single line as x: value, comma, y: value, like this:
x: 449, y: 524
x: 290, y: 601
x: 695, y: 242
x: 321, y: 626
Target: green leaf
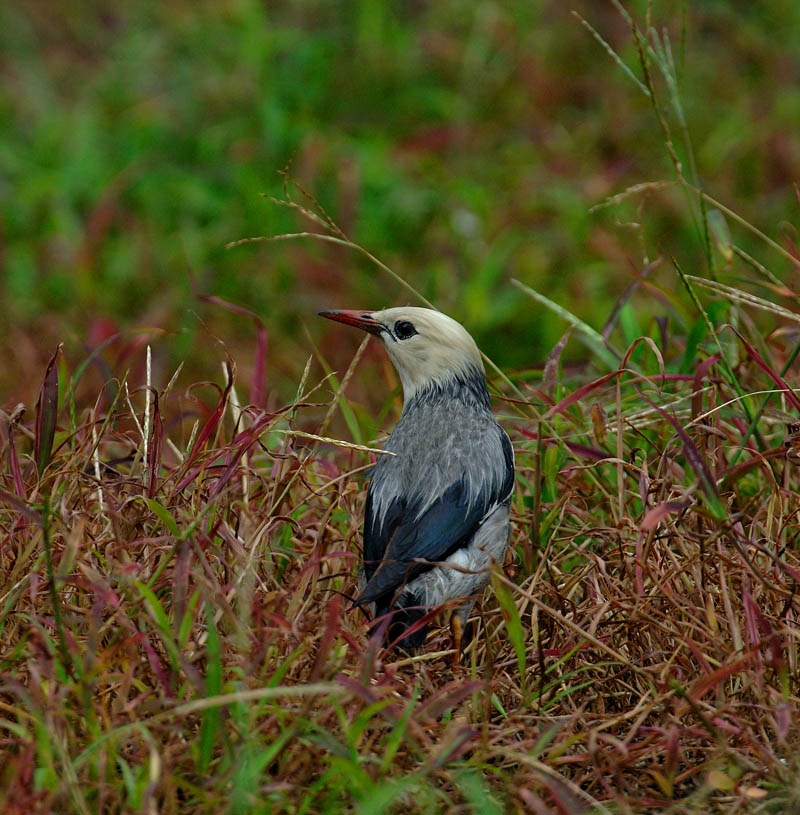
x: 718, y: 227
x: 188, y: 618
x: 156, y: 609
x: 697, y: 333
x: 513, y: 627
x: 395, y: 737
x: 477, y: 794
x: 211, y: 716
x: 163, y: 514
x: 381, y: 797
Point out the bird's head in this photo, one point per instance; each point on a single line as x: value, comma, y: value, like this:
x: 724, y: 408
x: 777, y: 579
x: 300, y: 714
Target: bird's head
x: 427, y: 348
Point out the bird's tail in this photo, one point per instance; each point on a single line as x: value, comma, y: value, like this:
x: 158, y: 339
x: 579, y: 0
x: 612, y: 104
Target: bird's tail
x: 408, y: 623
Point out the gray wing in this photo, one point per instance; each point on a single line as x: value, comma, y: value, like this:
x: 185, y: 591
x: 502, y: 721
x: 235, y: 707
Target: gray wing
x: 400, y: 535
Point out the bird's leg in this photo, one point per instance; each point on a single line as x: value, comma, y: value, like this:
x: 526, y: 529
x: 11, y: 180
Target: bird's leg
x: 457, y: 632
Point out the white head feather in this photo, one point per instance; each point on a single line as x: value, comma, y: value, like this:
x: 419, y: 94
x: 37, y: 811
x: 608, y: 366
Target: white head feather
x: 439, y: 349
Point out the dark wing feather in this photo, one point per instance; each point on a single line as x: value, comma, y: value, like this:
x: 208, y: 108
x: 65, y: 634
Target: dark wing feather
x: 445, y: 526
x: 377, y: 535
x: 508, y: 455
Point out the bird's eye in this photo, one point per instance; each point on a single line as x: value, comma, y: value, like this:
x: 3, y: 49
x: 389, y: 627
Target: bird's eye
x: 404, y: 329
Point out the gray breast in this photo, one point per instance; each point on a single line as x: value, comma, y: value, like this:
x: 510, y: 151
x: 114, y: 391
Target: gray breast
x: 436, y: 444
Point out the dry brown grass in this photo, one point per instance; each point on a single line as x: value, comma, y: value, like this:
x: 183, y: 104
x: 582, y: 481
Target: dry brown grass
x: 175, y: 635
x: 176, y: 565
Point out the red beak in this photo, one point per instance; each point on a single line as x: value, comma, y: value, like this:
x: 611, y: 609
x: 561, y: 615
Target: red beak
x: 360, y: 319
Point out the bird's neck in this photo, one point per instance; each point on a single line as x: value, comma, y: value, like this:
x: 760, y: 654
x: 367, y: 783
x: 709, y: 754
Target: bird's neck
x: 468, y: 387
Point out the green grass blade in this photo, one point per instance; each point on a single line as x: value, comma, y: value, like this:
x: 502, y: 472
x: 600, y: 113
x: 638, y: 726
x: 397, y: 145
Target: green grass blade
x: 590, y: 338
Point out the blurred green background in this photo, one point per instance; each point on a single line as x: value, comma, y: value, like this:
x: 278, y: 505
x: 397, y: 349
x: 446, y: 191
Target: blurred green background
x: 461, y: 143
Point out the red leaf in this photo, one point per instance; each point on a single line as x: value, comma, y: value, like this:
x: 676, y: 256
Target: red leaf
x: 783, y: 721
x: 565, y: 800
x: 700, y: 374
x: 697, y: 462
x: 578, y: 394
x: 155, y: 663
x: 657, y: 514
x: 208, y: 429
x: 711, y: 680
x: 447, y: 698
x: 757, y: 624
x: 230, y: 467
x: 672, y: 757
x: 653, y: 347
x: 773, y: 375
x: 46, y: 413
x: 21, y: 507
x: 247, y: 438
x: 549, y: 377
x: 328, y: 638
x: 154, y: 453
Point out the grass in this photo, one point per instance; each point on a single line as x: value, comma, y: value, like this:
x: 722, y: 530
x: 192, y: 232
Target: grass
x: 176, y: 639
x: 179, y: 551
x: 174, y: 625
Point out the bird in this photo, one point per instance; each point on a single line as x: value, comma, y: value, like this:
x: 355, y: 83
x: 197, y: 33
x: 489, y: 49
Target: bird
x: 437, y: 511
